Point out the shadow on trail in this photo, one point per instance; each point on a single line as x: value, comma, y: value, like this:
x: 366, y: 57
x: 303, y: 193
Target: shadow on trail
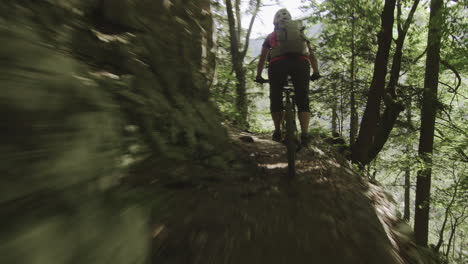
x: 328, y: 214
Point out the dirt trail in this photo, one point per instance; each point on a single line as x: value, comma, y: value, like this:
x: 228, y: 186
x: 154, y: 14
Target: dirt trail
x: 328, y: 214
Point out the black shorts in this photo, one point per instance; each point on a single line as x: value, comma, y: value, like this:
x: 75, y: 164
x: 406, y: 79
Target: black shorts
x: 299, y: 70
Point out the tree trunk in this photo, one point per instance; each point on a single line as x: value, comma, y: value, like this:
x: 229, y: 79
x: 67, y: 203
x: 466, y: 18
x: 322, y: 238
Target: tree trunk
x: 238, y: 20
x: 428, y: 115
x: 375, y: 128
x: 392, y: 106
x: 241, y: 90
x: 407, y: 212
x: 342, y: 99
x: 341, y: 110
x: 353, y: 111
x: 354, y: 123
x: 461, y: 255
x: 371, y: 117
x: 237, y: 62
x: 334, y: 116
x: 238, y: 55
x: 396, y: 62
x: 448, y: 212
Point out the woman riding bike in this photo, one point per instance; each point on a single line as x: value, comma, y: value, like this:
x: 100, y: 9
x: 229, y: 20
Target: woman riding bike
x: 288, y: 57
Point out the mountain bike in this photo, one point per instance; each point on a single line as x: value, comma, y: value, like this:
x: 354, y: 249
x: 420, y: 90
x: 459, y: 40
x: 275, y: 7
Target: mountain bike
x: 289, y: 137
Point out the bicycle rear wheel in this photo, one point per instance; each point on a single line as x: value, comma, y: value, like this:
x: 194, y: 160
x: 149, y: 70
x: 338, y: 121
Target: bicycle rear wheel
x: 290, y: 140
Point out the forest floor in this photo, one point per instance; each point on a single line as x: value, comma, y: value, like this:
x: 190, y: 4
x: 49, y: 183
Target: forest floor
x: 252, y: 213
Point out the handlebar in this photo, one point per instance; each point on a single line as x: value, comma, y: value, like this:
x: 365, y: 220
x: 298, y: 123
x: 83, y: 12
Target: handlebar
x: 312, y: 78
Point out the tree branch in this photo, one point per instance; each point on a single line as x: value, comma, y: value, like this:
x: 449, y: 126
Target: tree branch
x: 400, y: 29
x: 370, y: 119
x: 396, y: 62
x: 232, y: 33
x: 446, y: 64
x: 392, y: 107
x: 420, y: 56
x: 249, y: 30
x: 252, y: 61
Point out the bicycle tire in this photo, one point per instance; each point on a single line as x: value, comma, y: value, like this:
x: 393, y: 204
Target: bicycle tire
x: 290, y: 139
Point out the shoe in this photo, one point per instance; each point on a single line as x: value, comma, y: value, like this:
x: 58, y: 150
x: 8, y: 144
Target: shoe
x: 305, y: 140
x: 276, y: 136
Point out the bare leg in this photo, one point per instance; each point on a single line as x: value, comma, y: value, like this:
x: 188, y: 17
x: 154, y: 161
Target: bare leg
x: 277, y: 118
x: 304, y: 118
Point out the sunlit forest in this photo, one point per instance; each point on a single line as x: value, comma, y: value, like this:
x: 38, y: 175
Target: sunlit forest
x: 150, y: 131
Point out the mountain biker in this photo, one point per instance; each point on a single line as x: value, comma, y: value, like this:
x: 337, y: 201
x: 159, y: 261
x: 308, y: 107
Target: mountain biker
x: 281, y: 65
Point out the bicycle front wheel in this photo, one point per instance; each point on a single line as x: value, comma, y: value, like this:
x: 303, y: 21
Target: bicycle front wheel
x: 290, y: 139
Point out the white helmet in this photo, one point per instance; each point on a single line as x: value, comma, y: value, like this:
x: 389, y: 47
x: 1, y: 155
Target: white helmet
x: 282, y: 15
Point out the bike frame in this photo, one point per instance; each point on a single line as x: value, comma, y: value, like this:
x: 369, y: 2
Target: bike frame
x: 289, y: 122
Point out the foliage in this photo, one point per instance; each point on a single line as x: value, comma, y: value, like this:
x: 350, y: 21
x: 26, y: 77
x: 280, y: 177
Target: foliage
x: 224, y: 92
x: 87, y: 86
x: 449, y: 159
x: 400, y: 151
x: 335, y: 52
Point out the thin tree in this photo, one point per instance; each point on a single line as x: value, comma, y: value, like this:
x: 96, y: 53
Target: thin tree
x: 428, y: 115
x: 448, y: 212
x: 353, y: 110
x: 238, y: 53
x: 407, y: 187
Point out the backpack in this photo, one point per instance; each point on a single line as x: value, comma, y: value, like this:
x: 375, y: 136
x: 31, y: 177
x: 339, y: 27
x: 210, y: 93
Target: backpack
x: 290, y: 39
